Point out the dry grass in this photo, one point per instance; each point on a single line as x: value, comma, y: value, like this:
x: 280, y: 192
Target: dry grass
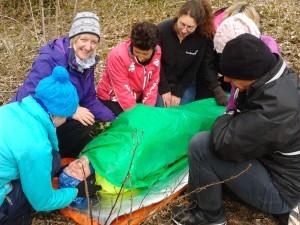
x: 25, y: 26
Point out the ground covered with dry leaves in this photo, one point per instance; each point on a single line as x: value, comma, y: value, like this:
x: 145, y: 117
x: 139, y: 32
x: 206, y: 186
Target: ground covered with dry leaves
x: 27, y: 25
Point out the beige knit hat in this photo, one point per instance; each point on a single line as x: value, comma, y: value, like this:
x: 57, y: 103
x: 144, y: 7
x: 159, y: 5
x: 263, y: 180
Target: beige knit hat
x: 232, y: 27
x: 85, y: 22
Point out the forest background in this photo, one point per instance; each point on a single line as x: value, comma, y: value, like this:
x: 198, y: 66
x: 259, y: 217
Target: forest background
x: 26, y: 25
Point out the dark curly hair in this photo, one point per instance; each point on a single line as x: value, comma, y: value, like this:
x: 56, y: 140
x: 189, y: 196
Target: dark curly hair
x: 144, y: 35
x: 201, y: 11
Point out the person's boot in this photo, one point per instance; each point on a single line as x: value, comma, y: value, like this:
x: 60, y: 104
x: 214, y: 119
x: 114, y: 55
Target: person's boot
x: 294, y: 216
x: 195, y: 216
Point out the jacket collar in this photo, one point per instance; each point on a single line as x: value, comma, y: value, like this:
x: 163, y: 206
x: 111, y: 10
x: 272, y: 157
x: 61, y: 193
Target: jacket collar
x: 64, y: 55
x: 276, y: 72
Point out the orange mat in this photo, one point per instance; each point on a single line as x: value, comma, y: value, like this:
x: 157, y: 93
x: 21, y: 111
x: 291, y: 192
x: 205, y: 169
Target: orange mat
x: 134, y: 218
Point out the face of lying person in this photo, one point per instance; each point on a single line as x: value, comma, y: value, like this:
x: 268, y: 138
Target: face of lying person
x: 75, y: 168
x: 86, y: 45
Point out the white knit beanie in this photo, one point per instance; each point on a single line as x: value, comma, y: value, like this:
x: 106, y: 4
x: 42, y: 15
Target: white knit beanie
x: 85, y: 22
x: 232, y: 27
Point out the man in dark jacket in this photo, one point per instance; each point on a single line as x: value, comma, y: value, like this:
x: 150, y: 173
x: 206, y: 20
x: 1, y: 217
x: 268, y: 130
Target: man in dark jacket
x: 259, y: 142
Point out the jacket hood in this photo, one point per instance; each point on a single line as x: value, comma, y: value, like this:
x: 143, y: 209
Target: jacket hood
x: 30, y: 105
x: 57, y: 49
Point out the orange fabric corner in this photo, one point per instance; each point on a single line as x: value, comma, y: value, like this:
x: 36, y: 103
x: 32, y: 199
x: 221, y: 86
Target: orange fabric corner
x: 77, y: 216
x: 66, y: 161
x: 134, y: 218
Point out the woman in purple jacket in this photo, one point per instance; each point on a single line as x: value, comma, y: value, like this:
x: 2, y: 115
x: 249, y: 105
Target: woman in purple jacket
x: 77, y: 53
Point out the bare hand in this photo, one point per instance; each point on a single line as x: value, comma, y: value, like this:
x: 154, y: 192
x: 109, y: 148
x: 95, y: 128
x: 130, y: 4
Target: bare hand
x: 84, y: 116
x: 75, y: 168
x: 166, y: 99
x: 175, y: 101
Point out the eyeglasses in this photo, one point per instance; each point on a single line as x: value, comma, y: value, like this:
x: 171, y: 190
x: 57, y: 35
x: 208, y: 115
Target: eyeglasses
x: 182, y: 25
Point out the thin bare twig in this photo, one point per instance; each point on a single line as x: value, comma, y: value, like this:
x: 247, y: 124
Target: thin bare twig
x: 43, y: 20
x: 24, y: 26
x: 201, y: 189
x: 75, y: 7
x: 87, y: 194
x: 32, y: 16
x: 134, y: 146
x: 56, y: 17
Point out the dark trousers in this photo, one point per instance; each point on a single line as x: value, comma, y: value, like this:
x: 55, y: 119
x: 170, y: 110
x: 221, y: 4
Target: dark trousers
x: 73, y: 137
x: 204, y: 91
x: 113, y: 106
x: 16, y: 210
x: 254, y: 187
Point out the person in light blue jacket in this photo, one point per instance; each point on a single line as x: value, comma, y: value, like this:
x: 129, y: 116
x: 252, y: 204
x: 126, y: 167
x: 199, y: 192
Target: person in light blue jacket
x: 29, y: 156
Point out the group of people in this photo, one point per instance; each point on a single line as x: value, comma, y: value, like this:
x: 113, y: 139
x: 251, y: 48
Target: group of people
x: 173, y: 63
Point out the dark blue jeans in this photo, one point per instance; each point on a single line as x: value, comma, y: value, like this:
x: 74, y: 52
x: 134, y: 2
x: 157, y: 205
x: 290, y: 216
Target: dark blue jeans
x: 188, y: 96
x: 253, y: 187
x: 16, y: 210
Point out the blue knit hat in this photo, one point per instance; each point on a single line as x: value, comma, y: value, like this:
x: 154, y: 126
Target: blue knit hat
x: 57, y: 93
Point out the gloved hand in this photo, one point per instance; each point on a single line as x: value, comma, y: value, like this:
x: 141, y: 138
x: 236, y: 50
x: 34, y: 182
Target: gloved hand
x: 92, y: 186
x: 220, y: 96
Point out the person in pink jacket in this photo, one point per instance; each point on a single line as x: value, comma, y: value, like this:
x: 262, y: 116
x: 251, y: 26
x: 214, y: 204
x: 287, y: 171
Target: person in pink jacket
x: 132, y: 69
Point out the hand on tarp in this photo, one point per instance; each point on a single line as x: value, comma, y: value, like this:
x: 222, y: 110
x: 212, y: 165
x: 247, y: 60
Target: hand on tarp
x: 91, y: 184
x: 220, y: 96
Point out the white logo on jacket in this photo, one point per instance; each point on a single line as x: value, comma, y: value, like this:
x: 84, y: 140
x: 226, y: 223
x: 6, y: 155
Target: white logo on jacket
x: 131, y: 67
x: 191, y: 53
x: 156, y: 62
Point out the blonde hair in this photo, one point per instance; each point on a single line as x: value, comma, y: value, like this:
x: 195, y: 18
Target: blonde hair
x: 245, y: 8
x: 74, y: 39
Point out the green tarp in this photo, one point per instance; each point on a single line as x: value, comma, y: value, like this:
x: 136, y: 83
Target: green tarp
x: 150, y: 141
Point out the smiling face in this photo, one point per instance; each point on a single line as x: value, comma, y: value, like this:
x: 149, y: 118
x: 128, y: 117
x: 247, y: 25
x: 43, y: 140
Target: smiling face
x: 142, y: 55
x: 85, y: 45
x: 185, y: 25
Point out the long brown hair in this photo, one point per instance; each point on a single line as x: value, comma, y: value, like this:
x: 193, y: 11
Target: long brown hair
x: 201, y: 12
